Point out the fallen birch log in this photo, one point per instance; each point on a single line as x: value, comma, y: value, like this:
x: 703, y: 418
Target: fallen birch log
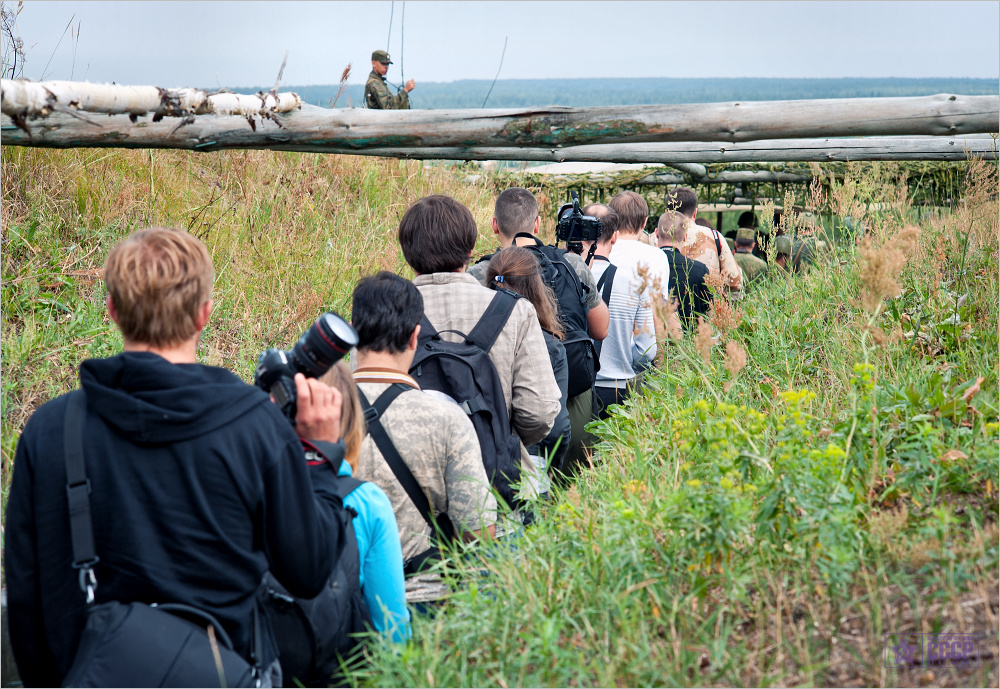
x: 553, y: 127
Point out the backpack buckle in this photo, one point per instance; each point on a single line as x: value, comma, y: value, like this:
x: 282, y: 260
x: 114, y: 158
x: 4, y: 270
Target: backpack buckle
x: 371, y: 413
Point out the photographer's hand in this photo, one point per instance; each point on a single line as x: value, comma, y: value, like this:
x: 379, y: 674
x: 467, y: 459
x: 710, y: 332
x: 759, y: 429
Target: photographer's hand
x: 319, y: 406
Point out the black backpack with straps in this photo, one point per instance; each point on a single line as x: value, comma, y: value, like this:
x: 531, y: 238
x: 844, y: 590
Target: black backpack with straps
x: 313, y: 635
x: 581, y: 353
x: 442, y: 529
x: 464, y: 372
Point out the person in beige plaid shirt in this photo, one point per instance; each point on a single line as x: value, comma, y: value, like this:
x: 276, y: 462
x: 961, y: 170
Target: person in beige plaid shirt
x: 438, y: 235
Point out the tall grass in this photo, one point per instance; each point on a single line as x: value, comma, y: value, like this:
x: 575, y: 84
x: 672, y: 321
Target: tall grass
x: 763, y: 524
x: 289, y: 235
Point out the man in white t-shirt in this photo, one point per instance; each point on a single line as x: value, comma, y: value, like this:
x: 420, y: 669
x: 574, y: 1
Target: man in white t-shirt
x: 630, y: 345
x: 633, y: 252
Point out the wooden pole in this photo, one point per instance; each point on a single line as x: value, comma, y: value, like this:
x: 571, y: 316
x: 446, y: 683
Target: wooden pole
x: 553, y: 127
x: 61, y: 130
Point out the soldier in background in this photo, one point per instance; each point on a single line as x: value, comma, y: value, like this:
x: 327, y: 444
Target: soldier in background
x: 753, y: 268
x: 377, y: 96
x: 783, y: 254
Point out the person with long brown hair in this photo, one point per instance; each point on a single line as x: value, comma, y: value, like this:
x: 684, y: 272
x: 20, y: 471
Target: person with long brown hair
x: 516, y: 269
x: 379, y: 549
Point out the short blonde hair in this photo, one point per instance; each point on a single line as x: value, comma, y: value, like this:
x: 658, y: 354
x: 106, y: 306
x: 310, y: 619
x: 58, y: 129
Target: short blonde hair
x: 158, y: 279
x: 352, y: 416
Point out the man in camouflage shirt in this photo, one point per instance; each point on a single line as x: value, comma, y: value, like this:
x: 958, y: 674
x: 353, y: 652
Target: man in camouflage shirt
x: 435, y: 438
x: 377, y: 96
x: 753, y: 268
x: 705, y: 244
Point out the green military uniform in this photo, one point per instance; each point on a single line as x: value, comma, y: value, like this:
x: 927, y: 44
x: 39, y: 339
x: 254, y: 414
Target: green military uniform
x: 783, y: 247
x: 753, y: 268
x: 377, y: 96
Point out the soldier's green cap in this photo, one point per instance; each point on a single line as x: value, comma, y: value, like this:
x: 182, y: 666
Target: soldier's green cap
x: 381, y: 56
x: 783, y: 245
x: 746, y: 234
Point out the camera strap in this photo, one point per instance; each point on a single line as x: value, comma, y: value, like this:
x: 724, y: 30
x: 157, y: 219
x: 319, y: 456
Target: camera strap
x: 607, y: 279
x: 373, y: 414
x: 81, y: 527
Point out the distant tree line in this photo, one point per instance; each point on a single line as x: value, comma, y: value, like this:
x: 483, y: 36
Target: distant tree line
x: 515, y: 93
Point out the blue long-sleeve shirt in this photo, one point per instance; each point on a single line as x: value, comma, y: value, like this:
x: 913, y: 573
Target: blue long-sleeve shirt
x: 381, y: 558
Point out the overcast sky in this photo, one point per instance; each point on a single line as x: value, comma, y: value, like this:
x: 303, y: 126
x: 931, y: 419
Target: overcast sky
x: 241, y: 43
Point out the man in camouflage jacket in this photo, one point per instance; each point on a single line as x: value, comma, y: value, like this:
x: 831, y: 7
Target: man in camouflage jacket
x: 377, y: 96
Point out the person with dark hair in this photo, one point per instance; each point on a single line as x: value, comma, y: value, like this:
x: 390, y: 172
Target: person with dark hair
x: 434, y: 438
x: 702, y: 243
x: 197, y: 484
x: 516, y: 269
x: 516, y: 213
x: 753, y: 268
x: 438, y: 235
x: 687, y: 277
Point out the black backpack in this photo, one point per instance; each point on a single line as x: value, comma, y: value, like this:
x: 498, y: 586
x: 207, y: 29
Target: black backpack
x: 465, y: 372
x: 313, y: 635
x: 581, y: 355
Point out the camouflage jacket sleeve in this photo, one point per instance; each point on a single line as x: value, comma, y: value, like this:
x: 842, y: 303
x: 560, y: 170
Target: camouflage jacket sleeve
x: 377, y: 97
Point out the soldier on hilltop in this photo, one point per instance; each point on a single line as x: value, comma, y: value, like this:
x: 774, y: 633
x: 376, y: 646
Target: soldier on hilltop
x: 377, y: 94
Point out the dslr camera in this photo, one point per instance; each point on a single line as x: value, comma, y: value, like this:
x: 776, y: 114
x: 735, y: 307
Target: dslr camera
x: 319, y: 348
x: 574, y: 227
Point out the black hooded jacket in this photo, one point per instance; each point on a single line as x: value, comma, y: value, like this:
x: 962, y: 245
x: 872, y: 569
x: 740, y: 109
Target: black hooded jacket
x: 199, y: 486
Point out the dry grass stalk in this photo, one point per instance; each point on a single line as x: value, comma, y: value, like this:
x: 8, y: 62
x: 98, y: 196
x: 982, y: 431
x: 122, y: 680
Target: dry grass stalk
x: 881, y: 266
x: 734, y: 360
x: 724, y: 316
x: 703, y: 340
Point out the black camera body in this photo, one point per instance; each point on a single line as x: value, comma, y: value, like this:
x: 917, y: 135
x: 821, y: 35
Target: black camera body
x: 574, y: 227
x: 321, y: 346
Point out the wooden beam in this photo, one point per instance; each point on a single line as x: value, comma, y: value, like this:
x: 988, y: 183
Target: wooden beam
x: 318, y: 129
x: 60, y: 130
x: 683, y: 156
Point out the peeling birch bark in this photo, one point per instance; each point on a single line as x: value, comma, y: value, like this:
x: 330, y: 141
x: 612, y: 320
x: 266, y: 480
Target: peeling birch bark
x: 553, y: 127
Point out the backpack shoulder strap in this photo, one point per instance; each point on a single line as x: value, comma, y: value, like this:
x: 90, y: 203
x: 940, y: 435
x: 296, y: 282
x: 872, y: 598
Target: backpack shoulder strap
x: 606, y: 281
x: 427, y: 330
x: 373, y: 413
x: 493, y: 320
x: 81, y: 526
x: 487, y: 257
x: 346, y: 485
x: 718, y: 245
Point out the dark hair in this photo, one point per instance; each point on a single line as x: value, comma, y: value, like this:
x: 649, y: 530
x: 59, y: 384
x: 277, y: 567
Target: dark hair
x: 632, y: 211
x: 610, y: 220
x: 437, y: 234
x: 704, y: 223
x: 520, y: 272
x: 682, y: 199
x: 515, y: 211
x: 744, y: 242
x: 385, y: 309
x: 747, y: 219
